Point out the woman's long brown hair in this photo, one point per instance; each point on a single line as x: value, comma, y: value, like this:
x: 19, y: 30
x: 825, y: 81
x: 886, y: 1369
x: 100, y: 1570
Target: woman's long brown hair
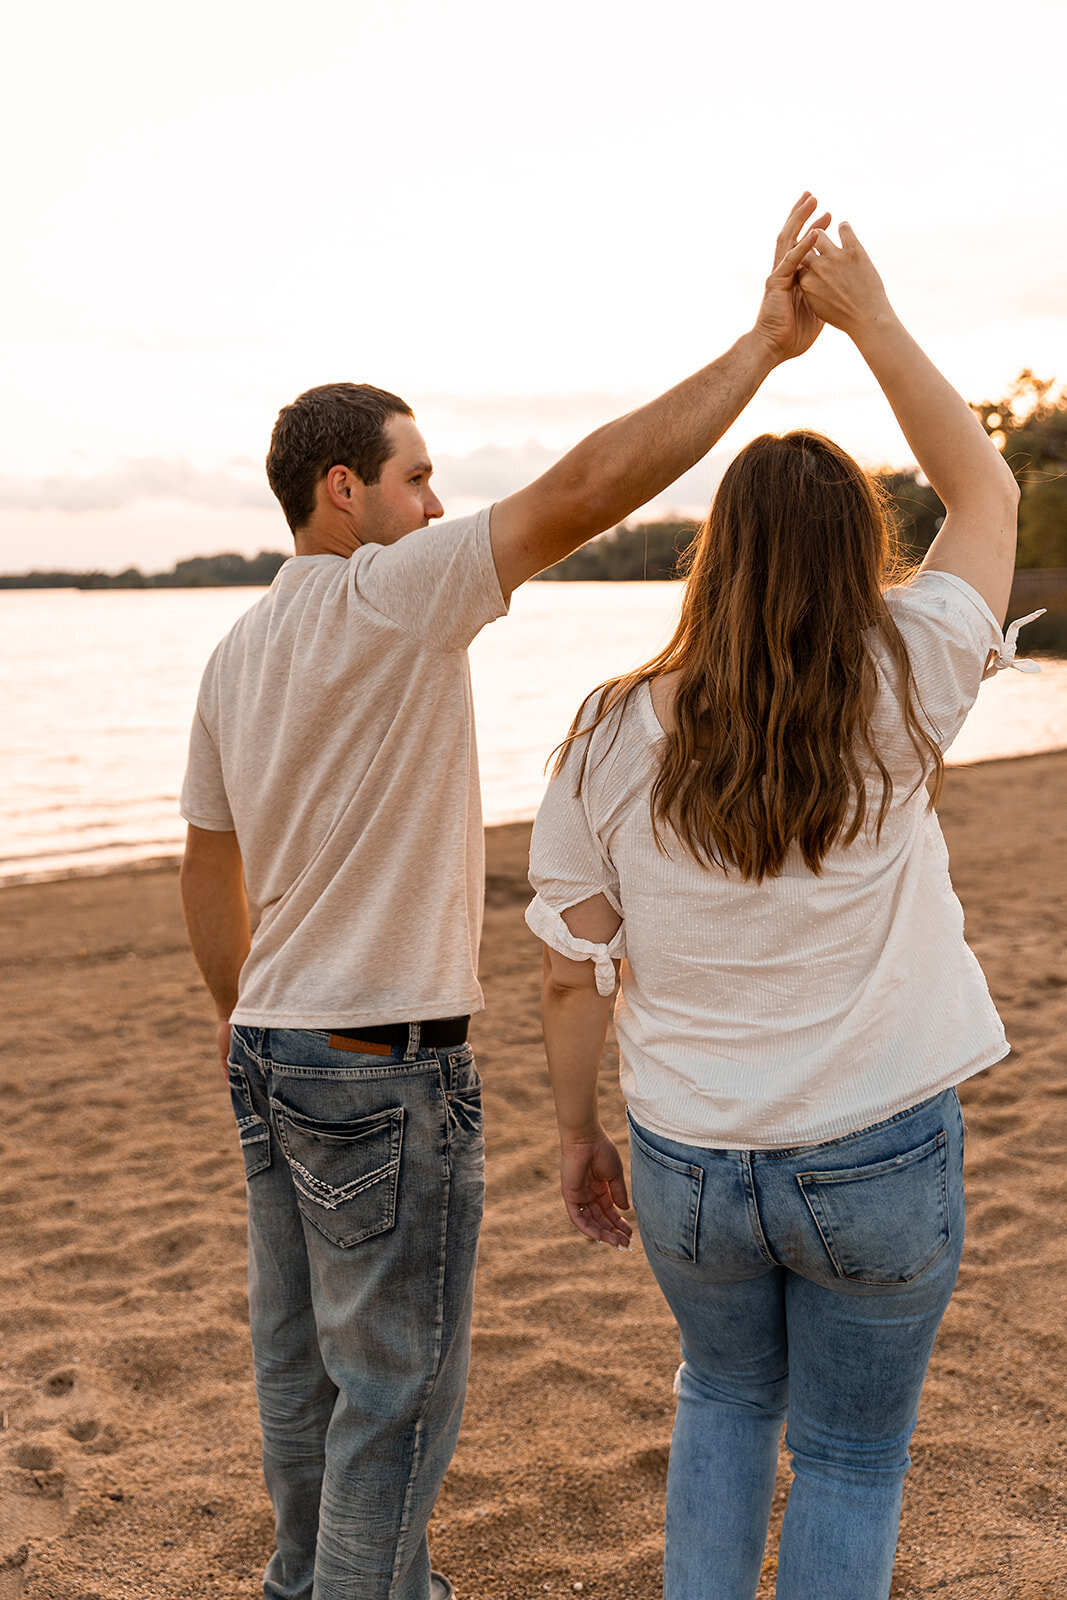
x: 772, y: 744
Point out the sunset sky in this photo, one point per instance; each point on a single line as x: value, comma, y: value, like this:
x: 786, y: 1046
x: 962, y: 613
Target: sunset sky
x: 524, y: 220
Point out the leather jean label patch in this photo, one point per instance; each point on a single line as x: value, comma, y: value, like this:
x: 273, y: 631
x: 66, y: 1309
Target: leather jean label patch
x: 362, y: 1047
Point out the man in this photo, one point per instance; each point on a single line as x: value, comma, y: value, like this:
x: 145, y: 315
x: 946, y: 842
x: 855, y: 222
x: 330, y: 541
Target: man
x: 332, y: 771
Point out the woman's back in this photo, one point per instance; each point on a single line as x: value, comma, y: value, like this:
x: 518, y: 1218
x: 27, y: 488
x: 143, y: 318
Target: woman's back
x: 798, y: 1007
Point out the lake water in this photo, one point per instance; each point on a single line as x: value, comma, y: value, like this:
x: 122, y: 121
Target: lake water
x: 98, y: 690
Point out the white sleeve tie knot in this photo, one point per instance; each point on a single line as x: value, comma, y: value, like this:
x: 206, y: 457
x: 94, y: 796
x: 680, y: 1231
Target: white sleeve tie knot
x: 551, y: 929
x: 1006, y: 657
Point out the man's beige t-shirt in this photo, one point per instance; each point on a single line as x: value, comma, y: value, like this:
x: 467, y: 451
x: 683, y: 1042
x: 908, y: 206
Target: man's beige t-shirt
x: 335, y: 733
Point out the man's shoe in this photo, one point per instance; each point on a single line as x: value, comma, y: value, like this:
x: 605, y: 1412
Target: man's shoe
x: 440, y: 1588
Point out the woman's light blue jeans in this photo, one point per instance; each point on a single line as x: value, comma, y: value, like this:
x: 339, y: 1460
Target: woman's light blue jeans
x: 807, y: 1284
x: 365, y: 1183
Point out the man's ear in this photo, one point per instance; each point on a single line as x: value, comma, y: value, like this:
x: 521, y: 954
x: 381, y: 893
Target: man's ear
x: 344, y: 489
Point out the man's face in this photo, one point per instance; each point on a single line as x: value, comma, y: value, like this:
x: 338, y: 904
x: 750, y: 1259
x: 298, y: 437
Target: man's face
x: 402, y: 499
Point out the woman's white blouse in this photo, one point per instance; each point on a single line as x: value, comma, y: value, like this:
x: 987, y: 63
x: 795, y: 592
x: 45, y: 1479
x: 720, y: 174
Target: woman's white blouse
x: 802, y: 1008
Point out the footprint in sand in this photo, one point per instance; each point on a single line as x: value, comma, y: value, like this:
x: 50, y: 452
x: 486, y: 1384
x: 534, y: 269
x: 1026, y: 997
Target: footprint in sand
x: 31, y: 1503
x: 34, y: 1457
x: 59, y: 1382
x: 83, y: 1429
x: 97, y: 1438
x: 40, y: 1477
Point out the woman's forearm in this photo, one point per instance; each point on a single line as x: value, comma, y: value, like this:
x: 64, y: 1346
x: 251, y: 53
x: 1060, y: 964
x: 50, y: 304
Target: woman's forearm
x: 575, y: 1023
x: 949, y: 443
x: 844, y: 288
x: 592, y: 1181
x: 977, y: 539
x: 978, y: 536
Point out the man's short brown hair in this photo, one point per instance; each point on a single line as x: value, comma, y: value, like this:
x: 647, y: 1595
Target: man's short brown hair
x: 335, y: 425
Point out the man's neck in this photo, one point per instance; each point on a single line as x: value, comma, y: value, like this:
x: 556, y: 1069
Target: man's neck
x: 325, y: 536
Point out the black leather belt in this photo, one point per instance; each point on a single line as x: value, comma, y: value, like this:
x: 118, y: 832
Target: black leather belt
x: 436, y: 1034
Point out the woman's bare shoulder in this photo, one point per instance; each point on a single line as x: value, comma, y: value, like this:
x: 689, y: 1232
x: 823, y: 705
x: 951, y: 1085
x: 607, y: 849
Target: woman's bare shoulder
x: 663, y: 690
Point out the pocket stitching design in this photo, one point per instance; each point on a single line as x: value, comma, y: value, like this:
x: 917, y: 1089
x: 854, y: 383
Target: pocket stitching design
x: 326, y: 1197
x: 346, y: 1192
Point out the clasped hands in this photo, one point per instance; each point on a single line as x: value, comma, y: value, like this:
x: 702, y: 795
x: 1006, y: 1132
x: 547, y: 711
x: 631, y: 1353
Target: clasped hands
x: 815, y: 281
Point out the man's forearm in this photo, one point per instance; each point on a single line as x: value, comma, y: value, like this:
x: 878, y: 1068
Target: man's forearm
x: 628, y: 462
x: 216, y: 915
x: 219, y: 935
x: 624, y: 464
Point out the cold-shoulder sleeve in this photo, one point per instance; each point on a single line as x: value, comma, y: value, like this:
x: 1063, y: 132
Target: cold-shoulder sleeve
x: 568, y: 865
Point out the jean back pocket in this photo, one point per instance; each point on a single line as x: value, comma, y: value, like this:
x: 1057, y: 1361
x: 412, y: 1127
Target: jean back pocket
x: 345, y: 1173
x: 887, y: 1222
x: 666, y: 1197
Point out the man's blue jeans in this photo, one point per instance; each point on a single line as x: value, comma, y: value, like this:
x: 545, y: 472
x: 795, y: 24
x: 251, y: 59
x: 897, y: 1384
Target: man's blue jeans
x: 808, y: 1282
x: 365, y: 1186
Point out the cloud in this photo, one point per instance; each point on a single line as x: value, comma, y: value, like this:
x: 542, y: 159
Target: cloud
x: 475, y: 478
x: 485, y: 474
x: 237, y: 483
x: 492, y: 470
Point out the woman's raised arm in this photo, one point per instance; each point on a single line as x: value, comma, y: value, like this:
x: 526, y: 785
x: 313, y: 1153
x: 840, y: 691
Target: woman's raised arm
x: 977, y: 538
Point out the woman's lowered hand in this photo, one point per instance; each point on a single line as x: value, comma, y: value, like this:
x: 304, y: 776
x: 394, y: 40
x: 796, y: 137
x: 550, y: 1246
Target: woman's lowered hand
x: 593, y: 1188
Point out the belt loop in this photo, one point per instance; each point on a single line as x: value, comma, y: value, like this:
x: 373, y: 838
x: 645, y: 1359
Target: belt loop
x: 414, y: 1029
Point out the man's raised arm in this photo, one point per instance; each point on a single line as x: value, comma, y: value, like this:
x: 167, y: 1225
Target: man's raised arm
x: 628, y: 462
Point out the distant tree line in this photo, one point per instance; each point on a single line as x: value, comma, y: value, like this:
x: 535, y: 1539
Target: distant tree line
x: 654, y: 549
x: 201, y: 572
x: 627, y: 554
x: 1029, y: 427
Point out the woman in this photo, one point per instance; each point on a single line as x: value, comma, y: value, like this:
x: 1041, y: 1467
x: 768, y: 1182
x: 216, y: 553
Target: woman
x: 747, y: 819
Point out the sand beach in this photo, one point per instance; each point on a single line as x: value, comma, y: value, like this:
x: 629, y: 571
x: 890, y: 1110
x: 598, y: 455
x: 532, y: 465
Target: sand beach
x: 128, y: 1439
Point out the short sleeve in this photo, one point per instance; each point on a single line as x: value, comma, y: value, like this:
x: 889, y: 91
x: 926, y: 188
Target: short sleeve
x: 568, y: 864
x: 439, y: 583
x: 203, y: 798
x: 949, y: 632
